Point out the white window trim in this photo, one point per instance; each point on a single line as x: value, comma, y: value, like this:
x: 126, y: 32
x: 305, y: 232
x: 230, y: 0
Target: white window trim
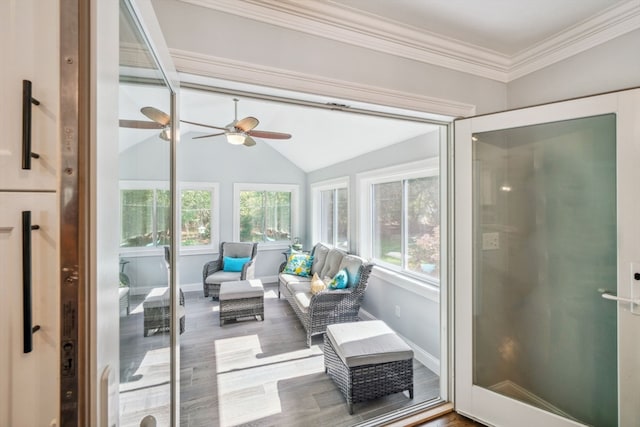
x: 139, y: 185
x: 316, y: 189
x: 365, y: 180
x: 294, y: 189
x: 214, y: 187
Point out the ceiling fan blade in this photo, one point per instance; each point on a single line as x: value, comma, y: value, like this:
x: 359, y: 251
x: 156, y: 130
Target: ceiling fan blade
x: 249, y: 142
x: 246, y: 124
x: 203, y: 125
x: 207, y: 136
x: 139, y: 124
x: 268, y: 134
x: 156, y: 115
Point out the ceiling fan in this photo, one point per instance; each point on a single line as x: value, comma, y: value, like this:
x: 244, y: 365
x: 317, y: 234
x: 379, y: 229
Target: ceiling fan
x: 241, y: 131
x: 160, y: 120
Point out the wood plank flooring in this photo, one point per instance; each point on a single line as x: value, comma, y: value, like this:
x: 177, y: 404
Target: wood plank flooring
x: 250, y: 373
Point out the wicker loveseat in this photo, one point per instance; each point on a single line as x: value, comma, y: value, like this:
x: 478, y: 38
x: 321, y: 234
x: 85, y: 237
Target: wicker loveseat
x: 331, y: 305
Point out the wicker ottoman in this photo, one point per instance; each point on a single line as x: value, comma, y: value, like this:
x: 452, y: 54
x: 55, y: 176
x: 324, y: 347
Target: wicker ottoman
x: 242, y: 298
x: 367, y: 360
x: 157, y: 313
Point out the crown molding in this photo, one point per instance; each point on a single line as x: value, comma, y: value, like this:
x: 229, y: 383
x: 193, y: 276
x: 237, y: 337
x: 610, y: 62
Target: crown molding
x: 345, y: 25
x: 341, y: 23
x: 244, y: 72
x: 598, y: 29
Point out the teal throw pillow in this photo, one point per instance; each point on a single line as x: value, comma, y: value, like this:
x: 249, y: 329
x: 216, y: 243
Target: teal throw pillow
x: 234, y: 264
x: 340, y: 280
x: 299, y: 264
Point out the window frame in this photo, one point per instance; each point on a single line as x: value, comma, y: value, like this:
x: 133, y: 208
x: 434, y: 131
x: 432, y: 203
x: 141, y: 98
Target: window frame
x: 364, y: 183
x: 294, y: 189
x: 214, y: 188
x: 316, y: 207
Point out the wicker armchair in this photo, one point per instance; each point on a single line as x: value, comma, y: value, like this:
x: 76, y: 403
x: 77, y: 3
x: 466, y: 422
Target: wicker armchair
x: 329, y: 306
x: 213, y: 273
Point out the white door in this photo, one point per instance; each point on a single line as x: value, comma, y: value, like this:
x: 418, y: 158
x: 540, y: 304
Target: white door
x: 547, y: 224
x: 29, y: 362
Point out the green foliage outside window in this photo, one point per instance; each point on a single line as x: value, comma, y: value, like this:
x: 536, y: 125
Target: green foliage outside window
x: 265, y: 216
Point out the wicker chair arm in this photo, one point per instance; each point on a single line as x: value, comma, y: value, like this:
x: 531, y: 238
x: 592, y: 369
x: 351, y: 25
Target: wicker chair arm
x: 248, y: 270
x: 210, y: 268
x: 282, y: 266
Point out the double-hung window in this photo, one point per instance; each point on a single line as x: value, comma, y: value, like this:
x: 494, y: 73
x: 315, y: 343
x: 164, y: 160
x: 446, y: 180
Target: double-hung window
x: 145, y: 215
x: 265, y: 213
x: 330, y: 212
x: 401, y: 225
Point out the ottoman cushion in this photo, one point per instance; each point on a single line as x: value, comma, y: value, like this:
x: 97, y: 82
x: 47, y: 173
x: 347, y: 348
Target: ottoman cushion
x: 241, y: 289
x: 367, y: 343
x: 158, y: 297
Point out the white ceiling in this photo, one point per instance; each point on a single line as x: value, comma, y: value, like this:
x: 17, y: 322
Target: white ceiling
x: 505, y: 26
x: 497, y: 39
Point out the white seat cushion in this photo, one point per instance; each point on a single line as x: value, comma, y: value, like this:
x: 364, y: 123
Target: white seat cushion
x: 222, y: 276
x: 158, y: 297
x: 301, y: 294
x: 367, y: 343
x: 241, y: 289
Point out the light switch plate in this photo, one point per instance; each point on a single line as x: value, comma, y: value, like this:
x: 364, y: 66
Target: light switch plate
x: 490, y: 241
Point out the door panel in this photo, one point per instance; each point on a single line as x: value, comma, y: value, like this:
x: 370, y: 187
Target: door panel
x: 29, y: 33
x: 29, y: 384
x: 545, y: 204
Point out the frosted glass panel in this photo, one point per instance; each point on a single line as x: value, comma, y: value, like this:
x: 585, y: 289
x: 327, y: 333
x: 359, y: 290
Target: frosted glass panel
x: 544, y: 244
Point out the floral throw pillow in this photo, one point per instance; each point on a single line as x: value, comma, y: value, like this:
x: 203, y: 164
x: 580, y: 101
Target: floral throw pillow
x: 299, y: 264
x: 340, y: 280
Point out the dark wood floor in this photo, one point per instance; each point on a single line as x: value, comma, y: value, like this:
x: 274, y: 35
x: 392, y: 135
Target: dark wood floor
x: 253, y: 373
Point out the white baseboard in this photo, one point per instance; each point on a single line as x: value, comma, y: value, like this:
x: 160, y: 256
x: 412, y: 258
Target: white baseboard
x: 421, y: 355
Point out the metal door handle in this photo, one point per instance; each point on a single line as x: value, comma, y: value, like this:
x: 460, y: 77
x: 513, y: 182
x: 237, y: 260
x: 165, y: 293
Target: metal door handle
x: 28, y: 329
x: 610, y: 295
x: 27, y: 100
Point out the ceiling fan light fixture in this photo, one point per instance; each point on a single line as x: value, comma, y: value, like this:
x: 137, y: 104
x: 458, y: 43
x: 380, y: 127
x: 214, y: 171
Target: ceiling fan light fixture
x: 235, y: 138
x: 165, y: 134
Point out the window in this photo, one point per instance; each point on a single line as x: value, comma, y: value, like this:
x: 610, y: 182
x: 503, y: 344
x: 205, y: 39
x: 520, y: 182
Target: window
x: 331, y: 212
x: 402, y: 230
x: 145, y: 215
x: 198, y: 215
x: 265, y: 212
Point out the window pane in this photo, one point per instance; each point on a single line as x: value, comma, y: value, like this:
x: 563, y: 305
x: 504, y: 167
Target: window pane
x: 196, y: 217
x: 423, y: 226
x: 251, y: 216
x: 136, y: 212
x: 265, y: 216
x: 277, y: 215
x: 387, y: 229
x: 163, y: 217
x: 326, y: 216
x: 343, y: 219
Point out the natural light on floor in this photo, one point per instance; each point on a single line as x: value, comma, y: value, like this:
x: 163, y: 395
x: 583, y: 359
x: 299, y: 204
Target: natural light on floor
x: 247, y: 380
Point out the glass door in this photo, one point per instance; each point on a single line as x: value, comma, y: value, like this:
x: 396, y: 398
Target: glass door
x: 152, y: 311
x: 548, y: 264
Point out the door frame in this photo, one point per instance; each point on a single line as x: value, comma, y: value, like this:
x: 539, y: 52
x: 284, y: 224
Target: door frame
x: 479, y: 403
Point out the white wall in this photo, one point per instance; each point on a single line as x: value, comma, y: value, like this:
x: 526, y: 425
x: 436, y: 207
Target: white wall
x: 223, y: 35
x: 611, y: 66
